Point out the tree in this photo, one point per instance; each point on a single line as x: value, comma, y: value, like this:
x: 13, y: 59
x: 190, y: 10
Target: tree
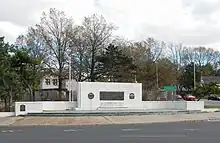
x: 204, y: 56
x: 167, y: 72
x: 206, y: 89
x: 32, y: 47
x: 201, y: 55
x: 154, y: 48
x: 56, y: 29
x: 207, y: 70
x: 4, y: 70
x: 175, y: 54
x: 79, y: 54
x: 97, y: 34
x: 9, y: 80
x: 186, y: 79
x: 28, y: 68
x: 115, y: 66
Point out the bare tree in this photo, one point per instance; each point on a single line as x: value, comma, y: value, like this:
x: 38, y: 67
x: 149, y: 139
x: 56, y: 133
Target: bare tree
x: 200, y: 55
x: 175, y: 53
x: 154, y: 48
x: 97, y: 33
x: 56, y: 29
x: 204, y: 56
x: 79, y: 54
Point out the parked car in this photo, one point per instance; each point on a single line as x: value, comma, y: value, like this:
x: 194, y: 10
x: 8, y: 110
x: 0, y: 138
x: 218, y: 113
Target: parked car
x: 179, y: 98
x: 213, y: 97
x: 189, y: 98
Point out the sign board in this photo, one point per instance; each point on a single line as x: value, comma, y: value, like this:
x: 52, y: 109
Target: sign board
x: 169, y: 88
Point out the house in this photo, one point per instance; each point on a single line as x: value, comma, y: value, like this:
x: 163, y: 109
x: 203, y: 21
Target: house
x: 209, y: 79
x: 48, y: 89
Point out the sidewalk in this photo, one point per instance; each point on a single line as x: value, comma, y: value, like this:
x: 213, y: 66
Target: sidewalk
x: 6, y: 121
x: 97, y: 120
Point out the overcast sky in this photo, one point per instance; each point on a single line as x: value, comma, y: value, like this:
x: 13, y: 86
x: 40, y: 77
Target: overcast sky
x: 191, y: 22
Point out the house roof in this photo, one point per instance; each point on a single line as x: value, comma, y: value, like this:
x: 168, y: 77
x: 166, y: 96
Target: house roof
x: 208, y: 79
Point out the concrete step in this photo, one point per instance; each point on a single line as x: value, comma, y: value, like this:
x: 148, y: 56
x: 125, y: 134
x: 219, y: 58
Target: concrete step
x: 113, y: 108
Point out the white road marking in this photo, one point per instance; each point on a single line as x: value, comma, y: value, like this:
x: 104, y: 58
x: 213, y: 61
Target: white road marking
x: 72, y: 130
x: 213, y: 120
x: 10, y: 131
x: 127, y: 130
x: 153, y: 136
x: 190, y: 129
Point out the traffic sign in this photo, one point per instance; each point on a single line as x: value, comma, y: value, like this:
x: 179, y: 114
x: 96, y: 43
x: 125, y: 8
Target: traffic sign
x: 169, y: 88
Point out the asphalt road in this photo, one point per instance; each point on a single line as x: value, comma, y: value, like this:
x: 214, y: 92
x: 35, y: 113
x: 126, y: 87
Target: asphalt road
x: 204, y: 132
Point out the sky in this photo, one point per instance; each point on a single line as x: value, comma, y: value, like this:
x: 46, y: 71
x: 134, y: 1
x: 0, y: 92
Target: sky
x: 191, y: 22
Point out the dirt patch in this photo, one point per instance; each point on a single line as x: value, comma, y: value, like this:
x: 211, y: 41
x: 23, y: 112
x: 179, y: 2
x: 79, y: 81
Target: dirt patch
x: 98, y: 120
x: 30, y: 121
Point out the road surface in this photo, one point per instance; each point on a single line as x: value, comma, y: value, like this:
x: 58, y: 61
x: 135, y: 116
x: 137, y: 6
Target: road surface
x: 204, y: 132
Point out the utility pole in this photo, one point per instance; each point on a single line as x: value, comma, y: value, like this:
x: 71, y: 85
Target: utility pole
x: 70, y: 77
x: 194, y: 71
x: 157, y: 75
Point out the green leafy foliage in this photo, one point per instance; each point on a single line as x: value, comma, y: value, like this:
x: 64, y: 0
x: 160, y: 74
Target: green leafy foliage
x: 114, y: 65
x: 187, y: 76
x: 206, y: 89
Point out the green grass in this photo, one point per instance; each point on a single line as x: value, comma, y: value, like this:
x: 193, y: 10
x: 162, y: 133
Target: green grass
x: 212, y: 106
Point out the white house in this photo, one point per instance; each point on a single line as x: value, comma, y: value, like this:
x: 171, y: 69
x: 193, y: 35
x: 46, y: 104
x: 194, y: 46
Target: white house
x: 49, y: 89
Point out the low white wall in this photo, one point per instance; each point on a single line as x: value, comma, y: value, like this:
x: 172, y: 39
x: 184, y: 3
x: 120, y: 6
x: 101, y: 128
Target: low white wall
x: 211, y: 103
x: 39, y: 107
x: 58, y: 105
x: 30, y: 107
x: 7, y: 114
x: 173, y: 105
x: 192, y: 105
x: 163, y: 105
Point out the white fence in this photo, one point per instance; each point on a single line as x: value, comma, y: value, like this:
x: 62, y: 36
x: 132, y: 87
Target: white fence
x: 7, y: 114
x: 22, y: 108
x: 39, y: 107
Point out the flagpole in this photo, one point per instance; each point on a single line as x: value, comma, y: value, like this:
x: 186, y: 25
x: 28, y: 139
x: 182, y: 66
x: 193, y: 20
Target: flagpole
x: 70, y: 78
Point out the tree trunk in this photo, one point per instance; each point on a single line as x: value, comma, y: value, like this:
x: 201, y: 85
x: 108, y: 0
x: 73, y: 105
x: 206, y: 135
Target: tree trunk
x: 80, y: 68
x: 6, y: 105
x: 33, y: 94
x: 10, y: 100
x: 92, y: 76
x: 60, y: 87
x: 30, y: 92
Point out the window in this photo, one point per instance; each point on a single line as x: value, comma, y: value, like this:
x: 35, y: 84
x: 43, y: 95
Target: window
x: 131, y: 96
x: 47, y: 81
x: 55, y: 82
x: 104, y: 95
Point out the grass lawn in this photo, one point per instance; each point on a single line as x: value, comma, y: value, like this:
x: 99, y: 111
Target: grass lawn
x: 212, y: 106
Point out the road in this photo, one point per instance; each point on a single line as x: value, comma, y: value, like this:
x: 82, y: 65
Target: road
x: 203, y: 132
